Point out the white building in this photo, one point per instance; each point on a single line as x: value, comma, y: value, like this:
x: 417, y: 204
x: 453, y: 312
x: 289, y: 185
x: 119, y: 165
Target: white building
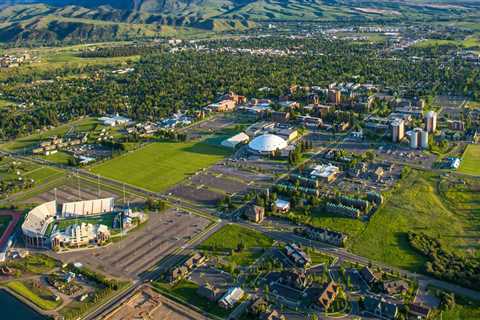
x: 267, y: 144
x: 82, y: 234
x: 327, y: 173
x: 88, y: 207
x: 232, y: 142
x: 231, y: 297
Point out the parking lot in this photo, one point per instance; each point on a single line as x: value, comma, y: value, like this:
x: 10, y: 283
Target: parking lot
x: 140, y: 250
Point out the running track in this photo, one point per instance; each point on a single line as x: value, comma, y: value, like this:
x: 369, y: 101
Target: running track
x: 11, y: 226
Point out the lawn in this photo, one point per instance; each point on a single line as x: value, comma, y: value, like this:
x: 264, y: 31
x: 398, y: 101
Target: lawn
x: 226, y: 240
x: 106, y: 219
x: 422, y: 202
x: 35, y: 263
x: 43, y: 174
x: 82, y: 125
x: 60, y: 157
x: 39, y: 295
x: 160, y: 165
x: 463, y: 310
x: 187, y: 291
x: 471, y: 160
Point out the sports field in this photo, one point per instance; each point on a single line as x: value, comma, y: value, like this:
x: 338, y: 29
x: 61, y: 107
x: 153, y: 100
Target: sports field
x: 160, y: 165
x: 471, y: 160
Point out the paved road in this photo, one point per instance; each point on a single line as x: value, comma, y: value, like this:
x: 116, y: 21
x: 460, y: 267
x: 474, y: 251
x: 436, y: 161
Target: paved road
x: 288, y: 236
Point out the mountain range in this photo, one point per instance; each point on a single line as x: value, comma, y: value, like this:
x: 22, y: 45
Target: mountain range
x: 78, y: 20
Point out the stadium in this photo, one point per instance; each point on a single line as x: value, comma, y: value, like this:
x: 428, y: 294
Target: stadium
x: 37, y: 220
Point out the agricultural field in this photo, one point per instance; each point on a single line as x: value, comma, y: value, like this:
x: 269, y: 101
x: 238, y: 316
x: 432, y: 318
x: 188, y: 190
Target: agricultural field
x: 442, y: 207
x: 227, y: 239
x: 161, y: 165
x: 471, y: 160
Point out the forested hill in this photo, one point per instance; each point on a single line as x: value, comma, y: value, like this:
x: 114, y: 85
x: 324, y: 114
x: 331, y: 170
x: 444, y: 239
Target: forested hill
x: 63, y: 20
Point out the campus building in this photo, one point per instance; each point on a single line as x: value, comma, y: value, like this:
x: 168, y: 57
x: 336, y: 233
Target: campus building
x: 431, y: 121
x: 81, y: 234
x: 266, y: 144
x: 37, y: 220
x: 398, y: 130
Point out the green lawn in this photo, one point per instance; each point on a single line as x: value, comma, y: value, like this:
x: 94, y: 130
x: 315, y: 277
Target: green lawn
x: 35, y: 263
x: 423, y: 202
x: 463, y: 310
x: 162, y: 164
x: 43, y: 174
x: 227, y: 239
x: 40, y: 296
x: 106, y: 219
x: 59, y: 157
x: 187, y: 291
x: 33, y: 140
x: 471, y: 160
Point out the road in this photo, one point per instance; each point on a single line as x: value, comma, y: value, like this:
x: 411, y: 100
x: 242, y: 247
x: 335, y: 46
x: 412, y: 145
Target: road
x: 284, y: 236
x: 289, y: 237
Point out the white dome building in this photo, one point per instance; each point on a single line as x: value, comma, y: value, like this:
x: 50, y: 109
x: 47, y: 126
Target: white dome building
x: 267, y: 143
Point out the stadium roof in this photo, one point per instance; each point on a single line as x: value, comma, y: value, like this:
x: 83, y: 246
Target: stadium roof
x: 267, y: 143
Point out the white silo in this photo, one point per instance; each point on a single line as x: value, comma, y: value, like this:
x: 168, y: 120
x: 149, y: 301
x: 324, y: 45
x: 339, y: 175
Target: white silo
x: 424, y: 139
x: 413, y: 136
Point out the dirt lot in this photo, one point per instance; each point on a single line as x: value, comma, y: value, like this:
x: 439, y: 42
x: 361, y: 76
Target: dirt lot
x: 143, y: 248
x: 147, y: 304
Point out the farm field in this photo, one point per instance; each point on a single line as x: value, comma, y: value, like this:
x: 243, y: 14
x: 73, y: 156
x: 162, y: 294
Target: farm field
x: 471, y: 160
x: 161, y: 165
x: 227, y: 239
x: 423, y: 202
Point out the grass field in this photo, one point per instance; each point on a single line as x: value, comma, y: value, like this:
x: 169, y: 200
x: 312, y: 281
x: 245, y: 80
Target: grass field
x: 43, y: 174
x: 471, y: 160
x: 187, y: 291
x: 106, y: 219
x: 161, y: 165
x: 59, y: 157
x: 423, y: 202
x: 40, y: 296
x: 227, y: 239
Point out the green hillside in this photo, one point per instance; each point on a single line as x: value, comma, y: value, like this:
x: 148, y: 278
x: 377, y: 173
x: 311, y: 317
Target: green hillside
x: 103, y: 20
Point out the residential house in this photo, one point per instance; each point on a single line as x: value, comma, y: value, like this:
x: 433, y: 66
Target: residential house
x: 281, y: 206
x: 231, y: 297
x: 395, y: 287
x: 255, y: 213
x: 328, y: 295
x: 208, y: 291
x: 380, y: 308
x: 368, y: 275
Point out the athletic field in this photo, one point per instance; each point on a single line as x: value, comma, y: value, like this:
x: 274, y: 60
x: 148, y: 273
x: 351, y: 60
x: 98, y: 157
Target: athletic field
x: 160, y: 165
x: 471, y: 160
